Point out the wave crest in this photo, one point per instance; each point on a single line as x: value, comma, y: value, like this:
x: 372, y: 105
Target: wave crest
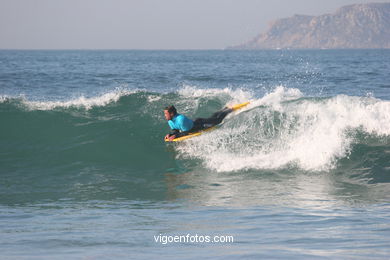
x: 284, y: 129
x: 79, y: 102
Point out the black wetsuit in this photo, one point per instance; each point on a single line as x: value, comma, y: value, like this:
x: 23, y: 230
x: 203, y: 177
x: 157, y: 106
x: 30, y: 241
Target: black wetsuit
x: 204, y: 123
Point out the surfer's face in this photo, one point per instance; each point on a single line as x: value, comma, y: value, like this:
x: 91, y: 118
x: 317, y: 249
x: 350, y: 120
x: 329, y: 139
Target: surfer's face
x: 168, y: 116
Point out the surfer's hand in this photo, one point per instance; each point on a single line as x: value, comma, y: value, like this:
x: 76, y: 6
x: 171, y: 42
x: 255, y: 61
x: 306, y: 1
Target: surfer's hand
x: 169, y: 137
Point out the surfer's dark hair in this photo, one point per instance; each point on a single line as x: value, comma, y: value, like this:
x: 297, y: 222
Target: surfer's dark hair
x: 171, y: 109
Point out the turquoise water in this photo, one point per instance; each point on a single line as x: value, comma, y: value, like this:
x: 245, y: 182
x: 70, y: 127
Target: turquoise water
x: 303, y: 172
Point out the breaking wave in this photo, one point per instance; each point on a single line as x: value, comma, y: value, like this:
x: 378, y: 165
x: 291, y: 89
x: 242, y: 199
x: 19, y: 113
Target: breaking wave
x: 282, y: 129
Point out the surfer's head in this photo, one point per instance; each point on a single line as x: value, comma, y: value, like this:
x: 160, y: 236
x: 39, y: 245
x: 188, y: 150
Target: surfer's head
x: 170, y: 112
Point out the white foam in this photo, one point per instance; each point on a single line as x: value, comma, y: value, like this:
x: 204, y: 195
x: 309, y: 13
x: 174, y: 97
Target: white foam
x: 278, y: 95
x: 309, y: 133
x: 3, y: 98
x: 192, y: 96
x: 80, y: 102
x: 233, y: 95
x: 153, y: 98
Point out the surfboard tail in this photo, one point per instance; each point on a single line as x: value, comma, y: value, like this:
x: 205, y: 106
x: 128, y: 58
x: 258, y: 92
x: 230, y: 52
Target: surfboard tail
x: 238, y: 106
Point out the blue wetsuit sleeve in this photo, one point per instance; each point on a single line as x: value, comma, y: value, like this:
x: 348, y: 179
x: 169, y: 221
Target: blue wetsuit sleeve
x: 185, y: 124
x: 180, y: 125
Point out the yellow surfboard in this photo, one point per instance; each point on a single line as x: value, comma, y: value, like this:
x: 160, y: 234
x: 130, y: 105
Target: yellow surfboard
x: 235, y: 107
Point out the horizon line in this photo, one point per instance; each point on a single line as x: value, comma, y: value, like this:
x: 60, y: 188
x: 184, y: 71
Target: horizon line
x: 211, y: 49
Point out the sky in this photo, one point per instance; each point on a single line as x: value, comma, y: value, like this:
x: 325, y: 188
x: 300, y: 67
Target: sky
x: 145, y: 24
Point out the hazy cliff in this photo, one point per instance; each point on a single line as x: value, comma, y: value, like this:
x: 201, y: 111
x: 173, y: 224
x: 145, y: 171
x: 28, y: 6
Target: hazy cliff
x: 352, y: 26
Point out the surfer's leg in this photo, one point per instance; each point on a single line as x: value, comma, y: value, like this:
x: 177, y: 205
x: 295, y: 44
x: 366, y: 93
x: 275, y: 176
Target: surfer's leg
x: 217, y: 117
x: 198, y: 124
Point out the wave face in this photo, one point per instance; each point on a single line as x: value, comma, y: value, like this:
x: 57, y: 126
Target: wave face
x: 286, y: 129
x: 124, y: 129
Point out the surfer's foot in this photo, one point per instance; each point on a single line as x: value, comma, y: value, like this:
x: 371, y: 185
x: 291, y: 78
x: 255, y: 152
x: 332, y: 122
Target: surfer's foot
x: 227, y: 109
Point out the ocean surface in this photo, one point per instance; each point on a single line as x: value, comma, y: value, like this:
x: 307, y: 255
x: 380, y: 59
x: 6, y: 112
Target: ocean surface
x: 303, y: 172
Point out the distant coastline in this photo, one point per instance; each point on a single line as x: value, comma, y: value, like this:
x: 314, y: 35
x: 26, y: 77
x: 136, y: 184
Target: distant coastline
x: 359, y: 26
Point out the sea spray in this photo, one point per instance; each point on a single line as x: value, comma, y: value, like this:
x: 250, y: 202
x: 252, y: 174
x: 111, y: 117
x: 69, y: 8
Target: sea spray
x: 284, y: 129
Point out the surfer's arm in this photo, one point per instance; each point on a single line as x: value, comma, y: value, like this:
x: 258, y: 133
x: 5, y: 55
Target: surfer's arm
x: 181, y: 127
x: 180, y: 134
x: 174, y: 133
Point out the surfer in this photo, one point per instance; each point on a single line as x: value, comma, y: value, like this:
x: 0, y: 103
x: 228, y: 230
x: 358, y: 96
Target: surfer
x: 181, y: 125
